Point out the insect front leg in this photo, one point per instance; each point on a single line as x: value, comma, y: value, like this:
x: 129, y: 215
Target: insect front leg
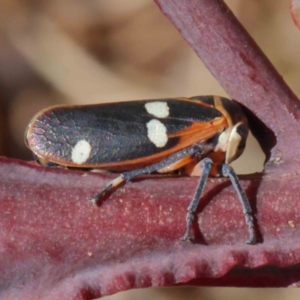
x: 227, y: 171
x: 195, y: 150
x: 205, y: 165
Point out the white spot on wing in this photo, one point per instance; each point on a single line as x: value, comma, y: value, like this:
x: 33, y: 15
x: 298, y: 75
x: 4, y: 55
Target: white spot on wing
x: 81, y: 152
x: 157, y: 133
x: 158, y: 109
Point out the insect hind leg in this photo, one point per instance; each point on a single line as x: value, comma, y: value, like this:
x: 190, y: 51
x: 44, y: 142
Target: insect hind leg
x: 44, y: 162
x: 195, y: 150
x: 112, y: 184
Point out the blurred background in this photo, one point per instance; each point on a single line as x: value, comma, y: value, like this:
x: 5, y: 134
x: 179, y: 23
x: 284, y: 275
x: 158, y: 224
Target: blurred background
x: 93, y: 51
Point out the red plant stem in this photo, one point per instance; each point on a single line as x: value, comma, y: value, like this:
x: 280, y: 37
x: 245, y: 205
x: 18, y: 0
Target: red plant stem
x: 242, y: 69
x: 56, y: 245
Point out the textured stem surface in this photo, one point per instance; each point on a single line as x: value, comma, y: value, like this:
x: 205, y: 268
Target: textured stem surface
x: 55, y: 244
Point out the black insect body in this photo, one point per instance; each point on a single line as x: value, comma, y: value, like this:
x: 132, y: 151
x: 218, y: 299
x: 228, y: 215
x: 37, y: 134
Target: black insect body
x: 200, y: 136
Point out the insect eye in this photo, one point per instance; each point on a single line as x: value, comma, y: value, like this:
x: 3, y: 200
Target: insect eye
x: 241, y: 146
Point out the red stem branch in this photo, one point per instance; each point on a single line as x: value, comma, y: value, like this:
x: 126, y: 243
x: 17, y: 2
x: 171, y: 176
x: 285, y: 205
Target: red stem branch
x: 239, y: 65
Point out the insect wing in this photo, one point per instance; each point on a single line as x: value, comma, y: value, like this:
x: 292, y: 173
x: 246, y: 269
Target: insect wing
x: 120, y: 134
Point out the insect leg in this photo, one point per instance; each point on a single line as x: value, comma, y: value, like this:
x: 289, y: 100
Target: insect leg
x: 228, y: 171
x: 196, y: 150
x: 43, y: 162
x: 206, y: 165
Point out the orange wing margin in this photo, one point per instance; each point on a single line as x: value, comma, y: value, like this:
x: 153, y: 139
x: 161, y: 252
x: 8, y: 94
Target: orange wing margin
x: 195, y: 133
